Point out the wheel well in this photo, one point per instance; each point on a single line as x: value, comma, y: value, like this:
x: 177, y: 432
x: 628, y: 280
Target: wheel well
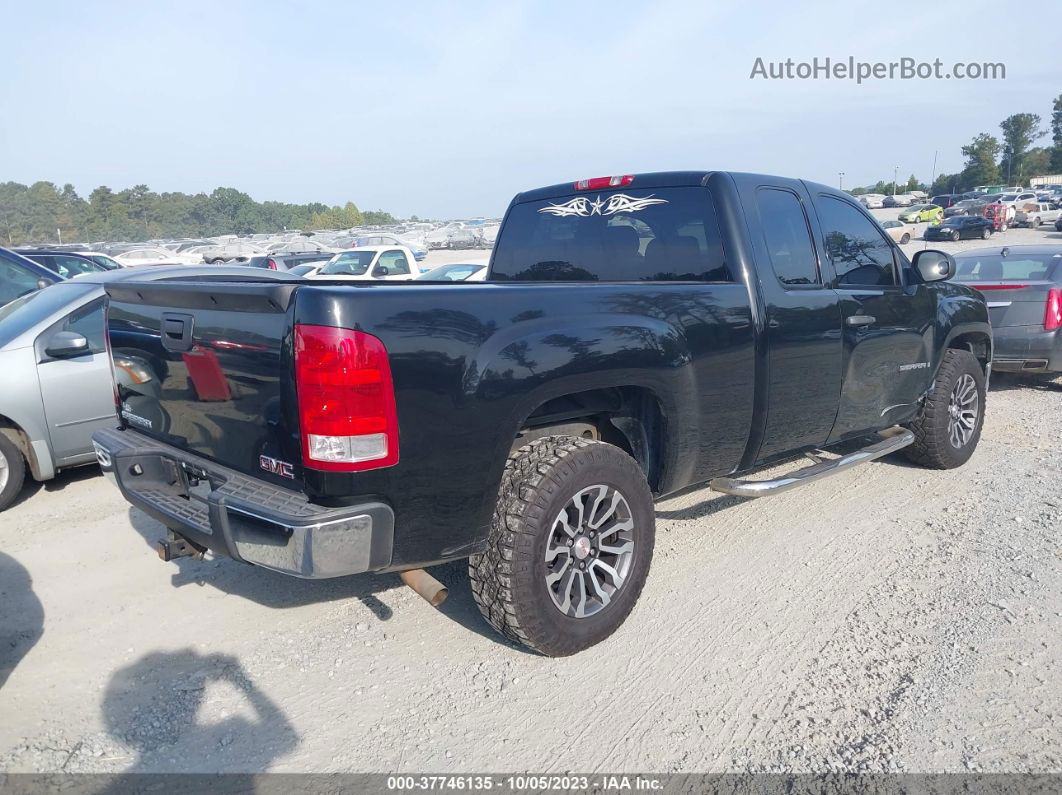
x: 629, y: 417
x: 21, y: 440
x: 977, y: 344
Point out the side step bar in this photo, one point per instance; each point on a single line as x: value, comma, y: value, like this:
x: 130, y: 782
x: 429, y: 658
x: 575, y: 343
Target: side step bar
x: 893, y: 439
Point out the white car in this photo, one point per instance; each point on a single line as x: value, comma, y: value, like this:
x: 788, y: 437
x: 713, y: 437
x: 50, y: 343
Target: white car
x: 139, y: 257
x: 226, y: 252
x: 872, y: 201
x: 1014, y: 199
x: 299, y: 246
x: 370, y: 263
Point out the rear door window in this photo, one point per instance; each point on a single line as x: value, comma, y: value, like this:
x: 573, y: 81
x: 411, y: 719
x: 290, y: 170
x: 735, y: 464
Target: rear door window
x: 660, y: 234
x: 785, y: 230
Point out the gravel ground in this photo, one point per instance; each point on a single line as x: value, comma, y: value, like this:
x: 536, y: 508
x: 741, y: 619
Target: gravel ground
x: 890, y: 618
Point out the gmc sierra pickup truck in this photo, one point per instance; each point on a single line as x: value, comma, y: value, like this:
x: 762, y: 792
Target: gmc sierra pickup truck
x: 635, y: 336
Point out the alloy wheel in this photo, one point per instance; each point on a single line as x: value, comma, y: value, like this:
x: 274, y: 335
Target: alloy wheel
x: 963, y: 409
x: 589, y: 551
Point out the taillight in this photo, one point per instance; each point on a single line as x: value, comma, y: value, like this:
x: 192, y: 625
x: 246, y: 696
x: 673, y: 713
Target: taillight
x: 1053, y: 315
x: 600, y: 183
x: 271, y: 264
x: 346, y: 400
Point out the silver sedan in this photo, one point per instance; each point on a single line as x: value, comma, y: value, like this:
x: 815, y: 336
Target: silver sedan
x: 56, y: 387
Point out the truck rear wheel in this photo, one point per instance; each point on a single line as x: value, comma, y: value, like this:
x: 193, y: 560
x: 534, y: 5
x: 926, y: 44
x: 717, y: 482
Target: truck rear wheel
x: 569, y: 546
x: 948, y: 426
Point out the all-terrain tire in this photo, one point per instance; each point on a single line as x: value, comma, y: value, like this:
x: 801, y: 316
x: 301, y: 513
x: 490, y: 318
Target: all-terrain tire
x: 933, y: 446
x: 14, y: 465
x: 509, y: 578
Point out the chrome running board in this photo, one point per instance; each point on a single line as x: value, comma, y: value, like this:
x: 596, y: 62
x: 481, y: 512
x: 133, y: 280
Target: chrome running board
x: 893, y: 439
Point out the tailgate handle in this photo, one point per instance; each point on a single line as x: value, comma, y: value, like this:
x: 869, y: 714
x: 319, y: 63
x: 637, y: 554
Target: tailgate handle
x: 176, y: 331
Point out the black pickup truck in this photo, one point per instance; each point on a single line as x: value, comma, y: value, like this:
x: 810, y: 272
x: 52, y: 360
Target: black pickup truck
x: 636, y: 335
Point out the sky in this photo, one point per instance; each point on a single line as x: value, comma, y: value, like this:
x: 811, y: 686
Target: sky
x: 447, y: 110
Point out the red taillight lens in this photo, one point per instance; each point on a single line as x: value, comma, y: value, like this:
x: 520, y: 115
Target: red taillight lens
x: 271, y: 264
x: 1053, y: 315
x: 346, y: 400
x: 600, y: 183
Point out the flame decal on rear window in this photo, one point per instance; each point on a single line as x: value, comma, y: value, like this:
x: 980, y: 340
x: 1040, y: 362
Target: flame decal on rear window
x: 616, y: 203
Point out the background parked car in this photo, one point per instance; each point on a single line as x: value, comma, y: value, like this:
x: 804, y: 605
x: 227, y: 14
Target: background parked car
x: 300, y: 246
x: 897, y: 230
x: 64, y: 263
x: 922, y: 213
x: 965, y: 207
x: 872, y: 201
x: 285, y: 262
x: 898, y: 200
x: 960, y: 227
x: 1033, y: 214
x: 228, y: 252
x: 306, y: 270
x: 946, y: 200
x: 470, y: 271
x: 142, y: 257
x: 1023, y: 286
x: 419, y: 252
x: 57, y: 386
x: 107, y: 263
x: 387, y: 263
x: 19, y: 276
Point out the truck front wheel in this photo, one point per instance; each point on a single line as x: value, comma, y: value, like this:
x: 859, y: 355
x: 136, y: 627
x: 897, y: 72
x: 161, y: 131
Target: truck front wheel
x: 569, y: 547
x: 948, y: 426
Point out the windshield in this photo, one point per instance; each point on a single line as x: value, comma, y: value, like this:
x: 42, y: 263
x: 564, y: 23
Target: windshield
x: 25, y: 312
x: 349, y: 263
x: 1008, y: 197
x: 997, y: 268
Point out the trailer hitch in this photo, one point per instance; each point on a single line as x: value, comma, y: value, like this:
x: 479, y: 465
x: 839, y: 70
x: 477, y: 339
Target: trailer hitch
x: 177, y: 546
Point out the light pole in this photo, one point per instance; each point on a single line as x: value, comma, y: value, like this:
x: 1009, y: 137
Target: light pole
x: 840, y: 180
x: 895, y: 174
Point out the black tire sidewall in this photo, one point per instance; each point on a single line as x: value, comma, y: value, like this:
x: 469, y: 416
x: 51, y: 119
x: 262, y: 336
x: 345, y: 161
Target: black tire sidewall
x: 16, y: 471
x: 965, y: 363
x: 552, y: 631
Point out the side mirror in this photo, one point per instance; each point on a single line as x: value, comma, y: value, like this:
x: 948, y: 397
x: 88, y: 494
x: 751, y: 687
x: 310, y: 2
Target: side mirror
x: 933, y: 265
x: 65, y: 344
x: 42, y: 283
x: 382, y: 270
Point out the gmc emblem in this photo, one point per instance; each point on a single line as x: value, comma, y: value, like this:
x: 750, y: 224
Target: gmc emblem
x: 275, y: 467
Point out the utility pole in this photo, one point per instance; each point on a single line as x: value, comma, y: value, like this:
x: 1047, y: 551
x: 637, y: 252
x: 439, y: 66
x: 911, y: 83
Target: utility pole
x: 895, y: 174
x: 934, y: 179
x: 840, y: 180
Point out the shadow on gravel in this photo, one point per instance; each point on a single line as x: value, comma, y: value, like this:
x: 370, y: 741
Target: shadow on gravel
x: 712, y: 503
x: 154, y: 706
x: 280, y: 591
x: 21, y: 615
x: 58, y: 483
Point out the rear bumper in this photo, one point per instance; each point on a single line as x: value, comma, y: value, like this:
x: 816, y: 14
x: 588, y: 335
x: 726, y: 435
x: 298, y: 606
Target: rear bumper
x: 1026, y: 349
x: 244, y: 518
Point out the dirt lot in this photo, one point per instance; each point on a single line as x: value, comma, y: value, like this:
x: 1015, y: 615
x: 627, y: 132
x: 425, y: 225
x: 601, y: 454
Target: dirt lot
x: 890, y: 618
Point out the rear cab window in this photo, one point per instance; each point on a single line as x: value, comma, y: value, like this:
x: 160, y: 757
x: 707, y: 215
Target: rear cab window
x: 997, y: 268
x: 659, y: 234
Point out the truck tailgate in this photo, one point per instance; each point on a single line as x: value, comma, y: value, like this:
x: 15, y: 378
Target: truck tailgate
x: 201, y: 367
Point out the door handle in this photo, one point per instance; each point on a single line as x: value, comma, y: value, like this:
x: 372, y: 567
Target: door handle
x: 860, y: 320
x: 176, y: 331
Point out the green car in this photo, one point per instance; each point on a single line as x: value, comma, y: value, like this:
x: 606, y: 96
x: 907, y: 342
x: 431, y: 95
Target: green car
x: 922, y: 212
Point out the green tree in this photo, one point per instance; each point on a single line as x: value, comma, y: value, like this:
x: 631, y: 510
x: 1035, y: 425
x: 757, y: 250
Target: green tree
x: 980, y: 167
x: 1020, y: 131
x: 946, y: 183
x: 1056, y: 136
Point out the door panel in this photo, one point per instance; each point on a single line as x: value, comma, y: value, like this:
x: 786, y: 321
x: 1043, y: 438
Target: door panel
x: 887, y: 328
x: 77, y: 393
x: 78, y: 399
x: 803, y: 323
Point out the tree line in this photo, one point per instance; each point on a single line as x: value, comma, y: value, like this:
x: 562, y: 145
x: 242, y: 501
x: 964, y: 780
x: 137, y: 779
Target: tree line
x: 1011, y: 159
x: 42, y: 212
